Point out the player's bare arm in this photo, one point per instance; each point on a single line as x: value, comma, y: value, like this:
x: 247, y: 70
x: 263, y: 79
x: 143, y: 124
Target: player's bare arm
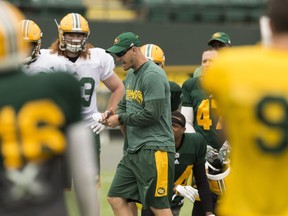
x: 116, y: 86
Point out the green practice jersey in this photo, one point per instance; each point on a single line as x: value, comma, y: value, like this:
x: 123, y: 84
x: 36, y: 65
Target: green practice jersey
x: 148, y: 84
x: 207, y: 120
x: 191, y: 152
x: 176, y: 93
x: 34, y: 113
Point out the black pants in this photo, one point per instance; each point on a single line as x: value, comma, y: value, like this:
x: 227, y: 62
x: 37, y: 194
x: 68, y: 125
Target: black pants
x: 198, y: 209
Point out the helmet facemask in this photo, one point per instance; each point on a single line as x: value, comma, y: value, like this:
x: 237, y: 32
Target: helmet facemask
x: 73, y: 45
x: 34, y: 53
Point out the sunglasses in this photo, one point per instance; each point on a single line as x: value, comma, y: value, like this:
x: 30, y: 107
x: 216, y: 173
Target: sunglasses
x: 122, y: 53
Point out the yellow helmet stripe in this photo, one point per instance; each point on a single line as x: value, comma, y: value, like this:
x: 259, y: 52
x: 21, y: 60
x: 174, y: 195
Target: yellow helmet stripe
x: 7, y: 29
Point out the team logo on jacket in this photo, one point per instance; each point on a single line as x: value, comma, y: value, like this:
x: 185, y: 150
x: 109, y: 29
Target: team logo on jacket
x: 134, y: 95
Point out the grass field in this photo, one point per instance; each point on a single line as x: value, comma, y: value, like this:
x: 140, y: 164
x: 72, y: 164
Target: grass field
x: 104, y: 205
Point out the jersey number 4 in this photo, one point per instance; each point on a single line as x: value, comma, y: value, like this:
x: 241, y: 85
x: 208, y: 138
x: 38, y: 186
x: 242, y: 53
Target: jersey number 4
x: 203, y: 116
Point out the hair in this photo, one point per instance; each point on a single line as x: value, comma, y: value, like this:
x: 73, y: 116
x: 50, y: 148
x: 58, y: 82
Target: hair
x: 55, y: 49
x: 178, y: 118
x: 209, y: 48
x: 277, y: 11
x: 223, y: 45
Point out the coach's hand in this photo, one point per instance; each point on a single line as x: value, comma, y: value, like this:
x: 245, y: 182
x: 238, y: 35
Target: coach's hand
x: 188, y: 192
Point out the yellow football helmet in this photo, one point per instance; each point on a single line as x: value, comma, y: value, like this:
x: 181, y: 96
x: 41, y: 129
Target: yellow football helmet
x: 218, y: 181
x: 31, y: 33
x: 12, y: 47
x: 154, y: 53
x: 73, y: 23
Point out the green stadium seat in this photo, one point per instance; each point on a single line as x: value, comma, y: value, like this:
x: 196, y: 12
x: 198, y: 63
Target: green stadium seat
x: 185, y: 14
x: 256, y: 13
x: 211, y: 2
x: 50, y: 7
x: 153, y: 2
x: 235, y: 14
x: 179, y: 2
x: 159, y: 14
x: 204, y: 10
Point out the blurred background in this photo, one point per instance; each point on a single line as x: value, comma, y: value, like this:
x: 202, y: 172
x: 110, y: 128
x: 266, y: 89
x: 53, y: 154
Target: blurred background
x: 181, y: 28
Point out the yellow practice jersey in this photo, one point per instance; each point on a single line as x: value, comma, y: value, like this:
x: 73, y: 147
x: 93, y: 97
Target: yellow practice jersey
x: 250, y: 85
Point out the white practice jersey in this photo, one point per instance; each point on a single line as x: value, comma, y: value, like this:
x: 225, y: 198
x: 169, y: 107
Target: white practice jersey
x: 90, y: 72
x: 45, y: 63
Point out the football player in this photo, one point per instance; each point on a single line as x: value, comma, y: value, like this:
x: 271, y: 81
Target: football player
x: 154, y: 53
x: 217, y: 41
x: 254, y: 105
x: 90, y: 66
x: 37, y: 61
x: 203, y: 116
x: 40, y: 121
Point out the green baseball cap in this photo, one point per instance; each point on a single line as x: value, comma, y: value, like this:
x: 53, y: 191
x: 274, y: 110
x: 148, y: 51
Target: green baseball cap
x: 220, y: 36
x: 123, y: 42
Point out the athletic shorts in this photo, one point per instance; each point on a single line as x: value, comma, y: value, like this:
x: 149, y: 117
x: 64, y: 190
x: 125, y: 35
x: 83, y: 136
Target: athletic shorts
x: 147, y: 176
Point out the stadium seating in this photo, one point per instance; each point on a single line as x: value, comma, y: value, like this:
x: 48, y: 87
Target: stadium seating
x: 154, y: 10
x: 182, y: 1
x: 204, y: 10
x: 48, y: 7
